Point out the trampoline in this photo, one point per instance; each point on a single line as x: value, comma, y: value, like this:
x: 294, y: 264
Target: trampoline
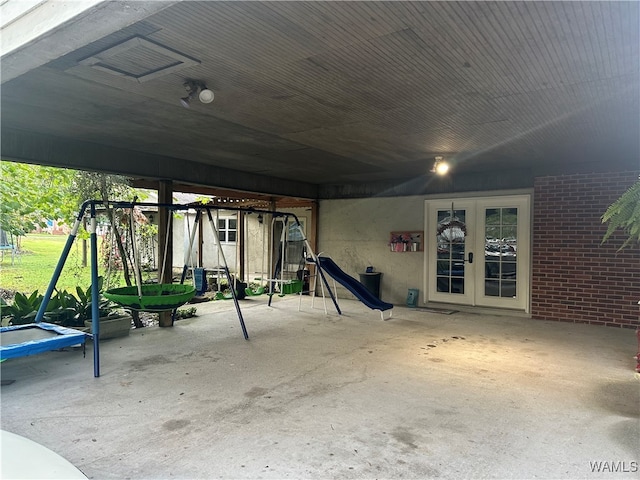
x: 34, y: 338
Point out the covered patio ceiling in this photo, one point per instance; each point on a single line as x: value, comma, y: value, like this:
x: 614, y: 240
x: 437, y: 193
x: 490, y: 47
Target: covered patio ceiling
x: 326, y: 99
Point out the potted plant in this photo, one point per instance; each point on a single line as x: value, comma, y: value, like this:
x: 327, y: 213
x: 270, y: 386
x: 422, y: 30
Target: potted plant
x: 116, y: 324
x: 114, y: 321
x: 68, y: 310
x: 624, y: 214
x: 75, y: 311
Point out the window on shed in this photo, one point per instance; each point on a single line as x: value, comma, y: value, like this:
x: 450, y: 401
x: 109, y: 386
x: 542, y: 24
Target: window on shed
x: 227, y: 229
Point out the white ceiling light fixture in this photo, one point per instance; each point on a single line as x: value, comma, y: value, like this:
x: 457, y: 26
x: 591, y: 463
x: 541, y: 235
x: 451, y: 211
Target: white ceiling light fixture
x: 206, y: 96
x: 441, y: 166
x: 196, y: 88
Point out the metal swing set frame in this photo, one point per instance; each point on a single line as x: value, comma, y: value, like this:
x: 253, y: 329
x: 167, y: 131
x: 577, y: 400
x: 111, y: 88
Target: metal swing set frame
x: 94, y: 205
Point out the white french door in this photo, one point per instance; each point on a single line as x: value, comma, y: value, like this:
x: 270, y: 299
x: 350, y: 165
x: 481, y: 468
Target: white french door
x: 478, y: 251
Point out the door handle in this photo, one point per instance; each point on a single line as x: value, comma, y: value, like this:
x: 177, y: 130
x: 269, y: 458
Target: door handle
x: 470, y: 257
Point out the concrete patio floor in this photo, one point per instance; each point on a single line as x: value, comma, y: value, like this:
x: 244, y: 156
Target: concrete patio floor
x: 422, y: 395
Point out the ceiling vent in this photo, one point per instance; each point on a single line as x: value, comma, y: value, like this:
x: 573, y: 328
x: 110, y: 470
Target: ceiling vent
x: 139, y: 59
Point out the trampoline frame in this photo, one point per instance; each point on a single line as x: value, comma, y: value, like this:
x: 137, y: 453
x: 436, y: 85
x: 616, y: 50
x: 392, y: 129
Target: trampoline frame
x: 65, y: 337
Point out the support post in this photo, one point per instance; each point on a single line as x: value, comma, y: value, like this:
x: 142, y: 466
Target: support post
x: 200, y: 240
x: 242, y: 236
x: 165, y: 196
x: 95, y: 293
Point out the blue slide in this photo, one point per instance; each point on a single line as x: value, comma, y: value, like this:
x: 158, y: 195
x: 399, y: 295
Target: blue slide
x: 353, y: 285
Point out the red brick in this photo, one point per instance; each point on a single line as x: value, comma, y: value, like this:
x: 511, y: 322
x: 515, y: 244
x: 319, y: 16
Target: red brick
x: 576, y: 278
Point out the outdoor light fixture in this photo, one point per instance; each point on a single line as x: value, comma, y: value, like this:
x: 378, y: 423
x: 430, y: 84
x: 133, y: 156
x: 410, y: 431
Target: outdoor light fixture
x: 440, y: 167
x: 206, y: 95
x: 193, y: 88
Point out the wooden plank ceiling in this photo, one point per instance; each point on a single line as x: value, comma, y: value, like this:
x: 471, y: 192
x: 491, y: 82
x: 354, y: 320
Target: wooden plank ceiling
x: 344, y: 92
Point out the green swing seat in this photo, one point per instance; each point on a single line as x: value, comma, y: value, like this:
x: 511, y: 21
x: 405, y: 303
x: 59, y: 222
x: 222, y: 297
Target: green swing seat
x: 155, y: 297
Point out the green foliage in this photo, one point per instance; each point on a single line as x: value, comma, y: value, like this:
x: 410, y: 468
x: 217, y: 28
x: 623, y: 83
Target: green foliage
x: 186, y: 312
x: 101, y: 186
x: 71, y: 310
x: 624, y: 214
x: 84, y: 305
x: 63, y: 308
x: 202, y: 199
x: 31, y: 194
x: 23, y: 309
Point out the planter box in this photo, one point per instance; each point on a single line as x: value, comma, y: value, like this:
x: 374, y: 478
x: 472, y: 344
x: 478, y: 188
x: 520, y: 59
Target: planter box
x: 293, y: 286
x: 112, y: 327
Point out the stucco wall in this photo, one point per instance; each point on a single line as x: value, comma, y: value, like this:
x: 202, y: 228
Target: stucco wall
x: 255, y: 248
x: 574, y: 277
x: 209, y: 247
x: 355, y: 233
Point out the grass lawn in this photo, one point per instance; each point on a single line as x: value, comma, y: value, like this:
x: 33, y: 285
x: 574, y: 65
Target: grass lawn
x: 34, y: 267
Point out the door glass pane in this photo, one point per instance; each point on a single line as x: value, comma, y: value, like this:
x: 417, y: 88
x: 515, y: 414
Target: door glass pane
x: 492, y: 216
x: 509, y: 216
x: 510, y: 235
x: 451, y: 251
x: 508, y: 289
x: 501, y: 245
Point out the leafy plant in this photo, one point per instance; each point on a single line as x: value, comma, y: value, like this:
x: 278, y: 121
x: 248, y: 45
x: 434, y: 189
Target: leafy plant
x: 72, y: 310
x: 23, y: 310
x: 624, y: 214
x: 186, y: 312
x: 63, y: 309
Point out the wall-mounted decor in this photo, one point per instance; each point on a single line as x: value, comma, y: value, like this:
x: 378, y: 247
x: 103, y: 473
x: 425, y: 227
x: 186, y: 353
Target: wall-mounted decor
x: 407, y: 241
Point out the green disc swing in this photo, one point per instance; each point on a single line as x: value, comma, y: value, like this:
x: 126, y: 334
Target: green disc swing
x: 158, y: 297
x: 152, y: 297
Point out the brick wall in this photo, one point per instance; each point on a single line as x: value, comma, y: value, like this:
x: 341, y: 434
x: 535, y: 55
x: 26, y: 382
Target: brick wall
x: 574, y: 277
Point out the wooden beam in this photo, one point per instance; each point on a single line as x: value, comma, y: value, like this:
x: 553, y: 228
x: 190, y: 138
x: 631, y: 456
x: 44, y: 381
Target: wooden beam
x: 233, y: 198
x: 165, y: 195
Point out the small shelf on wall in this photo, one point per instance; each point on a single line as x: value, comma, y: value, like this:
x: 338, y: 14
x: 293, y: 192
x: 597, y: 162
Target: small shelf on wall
x: 406, y: 241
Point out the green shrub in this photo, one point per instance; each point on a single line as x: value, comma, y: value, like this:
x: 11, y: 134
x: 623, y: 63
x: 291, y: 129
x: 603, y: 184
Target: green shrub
x: 63, y: 308
x: 23, y: 310
x: 186, y: 313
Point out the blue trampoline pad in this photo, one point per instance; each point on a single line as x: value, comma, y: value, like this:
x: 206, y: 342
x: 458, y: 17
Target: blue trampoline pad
x: 33, y: 338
